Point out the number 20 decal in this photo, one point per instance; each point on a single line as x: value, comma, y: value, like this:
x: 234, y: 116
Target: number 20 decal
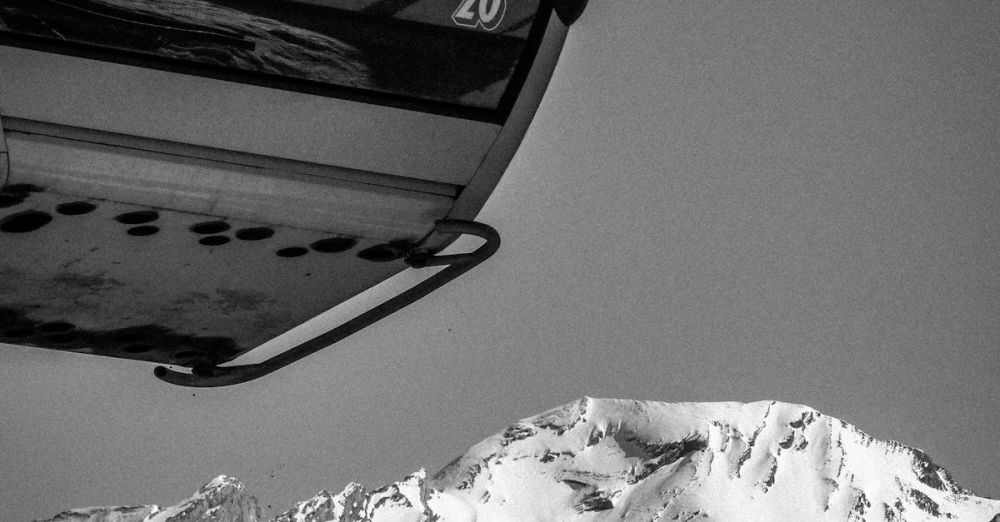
x: 480, y: 13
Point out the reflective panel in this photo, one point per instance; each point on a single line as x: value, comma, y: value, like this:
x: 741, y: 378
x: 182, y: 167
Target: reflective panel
x: 461, y: 52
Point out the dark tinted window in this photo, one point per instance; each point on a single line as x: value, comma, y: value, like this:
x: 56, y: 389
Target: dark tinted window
x: 460, y: 52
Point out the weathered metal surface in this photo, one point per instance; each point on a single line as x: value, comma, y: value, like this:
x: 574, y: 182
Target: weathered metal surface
x: 205, y: 374
x: 109, y: 278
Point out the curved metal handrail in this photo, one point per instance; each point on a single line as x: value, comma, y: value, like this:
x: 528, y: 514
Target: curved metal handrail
x: 458, y: 264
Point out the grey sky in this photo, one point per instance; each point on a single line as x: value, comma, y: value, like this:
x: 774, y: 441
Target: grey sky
x: 796, y: 201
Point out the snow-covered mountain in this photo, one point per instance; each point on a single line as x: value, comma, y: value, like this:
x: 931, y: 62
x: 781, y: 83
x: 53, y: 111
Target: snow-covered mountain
x: 224, y: 499
x: 600, y: 459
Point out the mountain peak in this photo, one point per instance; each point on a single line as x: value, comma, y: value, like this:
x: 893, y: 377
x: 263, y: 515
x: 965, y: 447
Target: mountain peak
x: 636, y: 460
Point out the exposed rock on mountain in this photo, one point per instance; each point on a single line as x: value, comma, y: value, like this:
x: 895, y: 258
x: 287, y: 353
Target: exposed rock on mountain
x: 598, y: 459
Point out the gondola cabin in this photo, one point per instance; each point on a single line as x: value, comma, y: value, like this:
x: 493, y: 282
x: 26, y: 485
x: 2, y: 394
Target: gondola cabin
x: 184, y: 180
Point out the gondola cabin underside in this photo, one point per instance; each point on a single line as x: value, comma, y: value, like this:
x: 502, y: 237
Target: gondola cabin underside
x: 181, y: 182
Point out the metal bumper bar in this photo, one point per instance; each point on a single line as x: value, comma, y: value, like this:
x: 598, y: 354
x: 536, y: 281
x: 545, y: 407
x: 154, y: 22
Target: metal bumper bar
x: 456, y: 265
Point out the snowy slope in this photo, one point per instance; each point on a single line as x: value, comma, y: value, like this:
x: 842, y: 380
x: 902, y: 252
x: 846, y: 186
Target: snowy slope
x: 599, y: 459
x: 224, y: 499
x: 628, y: 460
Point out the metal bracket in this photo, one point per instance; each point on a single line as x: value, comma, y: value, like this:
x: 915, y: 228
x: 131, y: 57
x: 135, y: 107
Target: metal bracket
x: 457, y: 264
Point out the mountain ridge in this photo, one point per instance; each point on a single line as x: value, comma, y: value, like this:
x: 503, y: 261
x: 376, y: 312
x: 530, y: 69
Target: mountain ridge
x: 603, y: 459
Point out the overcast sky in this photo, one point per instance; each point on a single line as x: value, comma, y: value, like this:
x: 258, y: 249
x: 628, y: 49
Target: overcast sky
x: 717, y: 201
